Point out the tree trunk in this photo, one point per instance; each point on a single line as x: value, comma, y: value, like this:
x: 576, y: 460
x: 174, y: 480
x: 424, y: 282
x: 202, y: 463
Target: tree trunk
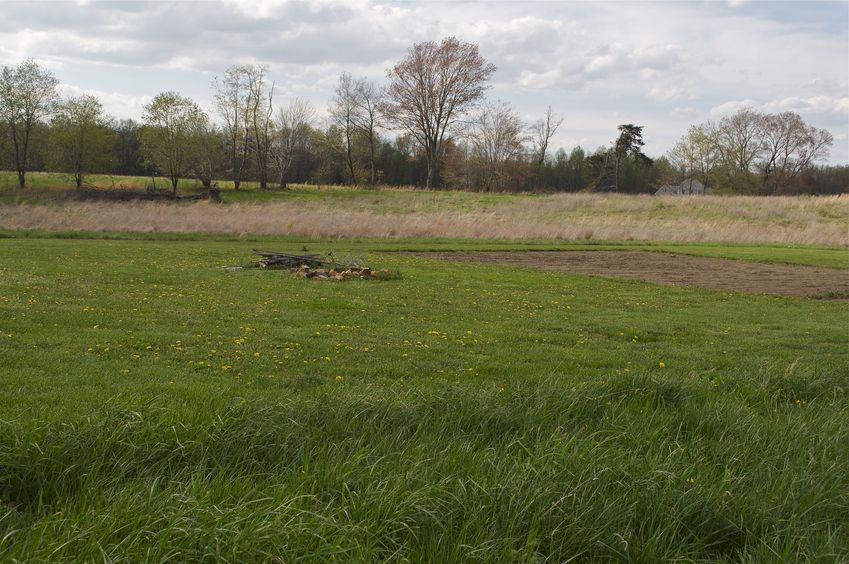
x: 262, y: 165
x: 351, y: 171
x: 174, y: 181
x: 233, y: 154
x: 283, y: 184
x: 20, y: 156
x: 373, y: 179
x: 237, y: 173
x: 432, y: 161
x: 431, y: 174
x: 350, y: 153
x: 616, y: 174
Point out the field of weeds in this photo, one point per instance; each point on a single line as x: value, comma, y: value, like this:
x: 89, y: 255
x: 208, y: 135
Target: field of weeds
x: 396, y: 213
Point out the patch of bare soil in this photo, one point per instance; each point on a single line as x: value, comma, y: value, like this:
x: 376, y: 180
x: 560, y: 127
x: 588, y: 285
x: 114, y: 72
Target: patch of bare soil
x: 676, y: 270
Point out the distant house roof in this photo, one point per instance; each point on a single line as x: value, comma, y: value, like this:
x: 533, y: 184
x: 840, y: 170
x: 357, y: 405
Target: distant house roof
x: 687, y: 186
x: 692, y: 185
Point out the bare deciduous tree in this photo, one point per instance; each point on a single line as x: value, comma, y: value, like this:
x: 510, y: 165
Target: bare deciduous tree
x: 260, y: 110
x: 344, y: 113
x: 738, y: 139
x: 750, y: 151
x: 355, y: 113
x: 695, y: 154
x: 232, y: 96
x: 493, y: 150
x: 431, y: 88
x: 543, y: 130
x: 367, y: 99
x: 789, y: 147
x: 28, y: 94
x: 496, y: 137
x: 291, y: 135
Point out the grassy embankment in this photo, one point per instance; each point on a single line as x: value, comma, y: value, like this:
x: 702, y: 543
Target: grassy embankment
x: 157, y: 407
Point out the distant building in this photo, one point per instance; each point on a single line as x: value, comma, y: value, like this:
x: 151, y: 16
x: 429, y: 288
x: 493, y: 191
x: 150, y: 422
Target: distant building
x: 688, y: 186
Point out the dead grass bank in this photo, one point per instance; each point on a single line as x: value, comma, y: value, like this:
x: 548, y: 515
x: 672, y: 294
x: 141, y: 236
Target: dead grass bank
x: 803, y: 220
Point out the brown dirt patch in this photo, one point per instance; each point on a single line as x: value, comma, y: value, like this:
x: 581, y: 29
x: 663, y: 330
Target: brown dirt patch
x: 676, y: 270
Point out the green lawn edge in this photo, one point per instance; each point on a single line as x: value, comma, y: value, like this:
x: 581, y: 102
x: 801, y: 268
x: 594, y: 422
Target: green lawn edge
x: 806, y: 255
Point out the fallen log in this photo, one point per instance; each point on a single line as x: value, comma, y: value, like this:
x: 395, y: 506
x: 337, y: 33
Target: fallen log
x: 286, y: 260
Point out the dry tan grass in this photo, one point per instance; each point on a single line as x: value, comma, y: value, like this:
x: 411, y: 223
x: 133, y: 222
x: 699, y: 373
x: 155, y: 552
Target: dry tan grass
x: 809, y: 220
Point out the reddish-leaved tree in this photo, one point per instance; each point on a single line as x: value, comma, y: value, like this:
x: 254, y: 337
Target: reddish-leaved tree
x: 431, y: 88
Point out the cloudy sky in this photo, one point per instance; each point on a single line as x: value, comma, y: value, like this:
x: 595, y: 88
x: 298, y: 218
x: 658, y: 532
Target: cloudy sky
x: 663, y: 65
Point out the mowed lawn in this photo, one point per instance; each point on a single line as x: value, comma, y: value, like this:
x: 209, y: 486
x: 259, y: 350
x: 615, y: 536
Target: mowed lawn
x: 156, y: 407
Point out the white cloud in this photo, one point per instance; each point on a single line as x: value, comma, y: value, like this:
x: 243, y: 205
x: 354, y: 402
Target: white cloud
x: 685, y: 112
x: 662, y: 93
x: 114, y: 103
x: 730, y: 107
x: 817, y: 104
x: 271, y: 9
x: 539, y: 80
x: 811, y: 105
x: 620, y: 57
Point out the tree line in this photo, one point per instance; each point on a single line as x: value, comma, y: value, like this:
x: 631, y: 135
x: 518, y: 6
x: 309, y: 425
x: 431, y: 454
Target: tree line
x: 430, y: 125
x: 754, y: 153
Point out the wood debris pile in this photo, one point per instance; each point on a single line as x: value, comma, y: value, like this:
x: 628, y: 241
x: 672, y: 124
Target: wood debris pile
x: 339, y: 273
x: 314, y: 266
x: 273, y: 259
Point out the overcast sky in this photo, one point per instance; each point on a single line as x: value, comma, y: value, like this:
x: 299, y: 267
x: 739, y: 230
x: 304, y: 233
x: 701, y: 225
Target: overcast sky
x: 662, y: 65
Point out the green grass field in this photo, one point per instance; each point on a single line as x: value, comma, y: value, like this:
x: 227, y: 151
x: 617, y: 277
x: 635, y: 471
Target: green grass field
x: 158, y: 407
x: 809, y: 255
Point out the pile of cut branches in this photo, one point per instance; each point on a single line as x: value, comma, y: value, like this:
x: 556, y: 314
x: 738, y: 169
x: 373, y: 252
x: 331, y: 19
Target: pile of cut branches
x: 342, y: 273
x: 314, y: 265
x: 274, y: 259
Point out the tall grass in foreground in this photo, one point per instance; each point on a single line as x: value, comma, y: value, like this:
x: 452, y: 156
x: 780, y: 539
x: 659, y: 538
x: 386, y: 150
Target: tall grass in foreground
x: 802, y: 220
x: 629, y: 468
x: 154, y: 407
